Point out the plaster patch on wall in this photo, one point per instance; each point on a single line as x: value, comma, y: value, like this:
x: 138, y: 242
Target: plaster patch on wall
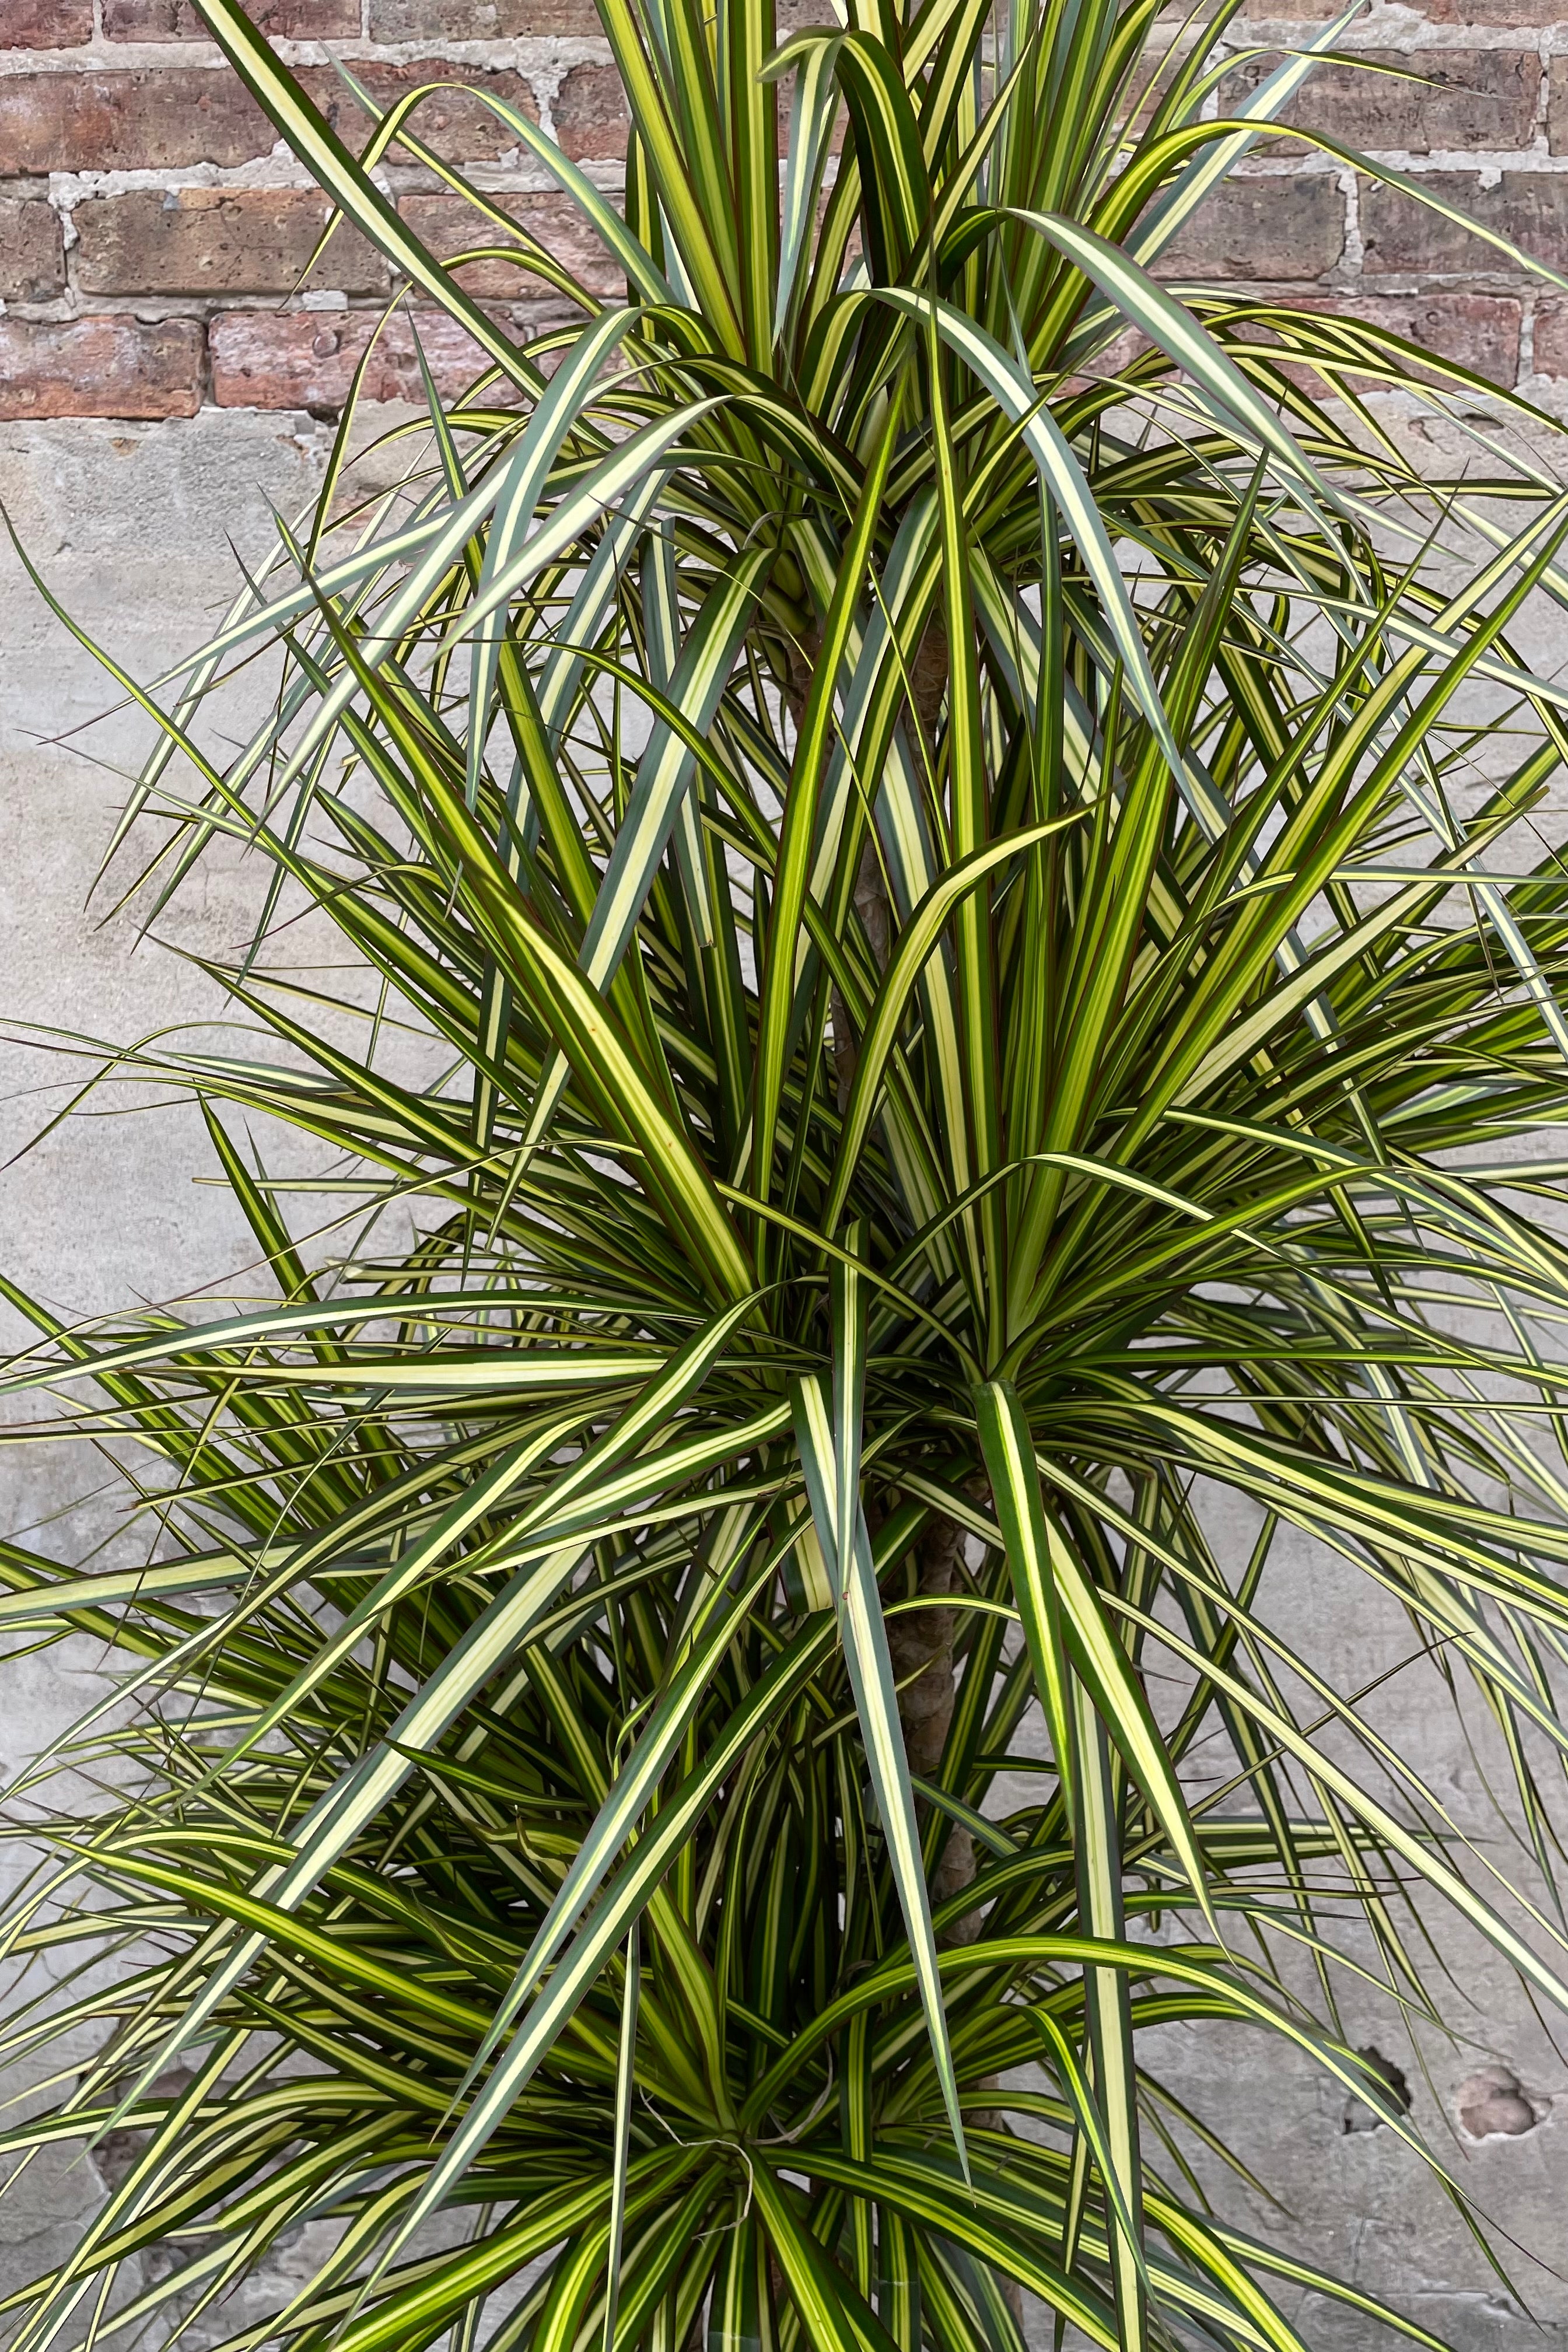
x: 1492, y: 2105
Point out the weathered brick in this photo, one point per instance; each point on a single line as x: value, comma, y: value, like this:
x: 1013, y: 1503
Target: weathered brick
x: 1480, y: 331
x: 1462, y: 99
x: 590, y: 112
x: 32, y: 250
x: 1530, y: 208
x: 129, y: 119
x: 148, y: 118
x: 446, y: 224
x: 1273, y: 228
x: 44, y: 24
x: 479, y: 20
x: 457, y: 125
x: 261, y: 359
x: 216, y: 241
x: 100, y: 367
x: 1551, y: 335
x: 1510, y: 14
x: 1557, y: 108
x: 177, y: 20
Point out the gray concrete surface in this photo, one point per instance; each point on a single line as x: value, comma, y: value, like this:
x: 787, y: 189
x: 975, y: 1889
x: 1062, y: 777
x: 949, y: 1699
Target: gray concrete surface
x: 126, y: 523
x: 129, y: 525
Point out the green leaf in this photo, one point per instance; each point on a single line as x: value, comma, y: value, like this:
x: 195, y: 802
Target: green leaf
x: 866, y: 1652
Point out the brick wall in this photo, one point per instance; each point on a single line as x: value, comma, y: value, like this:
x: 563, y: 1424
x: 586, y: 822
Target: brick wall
x: 1474, y: 100
x: 150, y: 232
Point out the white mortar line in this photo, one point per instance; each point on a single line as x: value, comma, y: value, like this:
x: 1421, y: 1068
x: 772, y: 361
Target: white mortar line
x: 514, y: 56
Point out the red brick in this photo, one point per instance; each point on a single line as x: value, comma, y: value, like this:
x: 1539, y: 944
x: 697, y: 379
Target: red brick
x: 32, y: 250
x: 100, y: 367
x: 458, y: 126
x: 216, y: 241
x: 1557, y: 108
x: 480, y: 20
x: 307, y: 359
x: 177, y: 20
x: 1551, y: 335
x: 1275, y: 228
x: 1424, y: 100
x: 44, y: 24
x: 137, y: 119
x: 447, y: 225
x: 590, y: 112
x: 142, y: 118
x: 1530, y: 208
x: 1480, y: 331
x: 1508, y: 15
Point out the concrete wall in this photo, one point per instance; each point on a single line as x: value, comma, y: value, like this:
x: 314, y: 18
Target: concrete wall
x: 123, y: 519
